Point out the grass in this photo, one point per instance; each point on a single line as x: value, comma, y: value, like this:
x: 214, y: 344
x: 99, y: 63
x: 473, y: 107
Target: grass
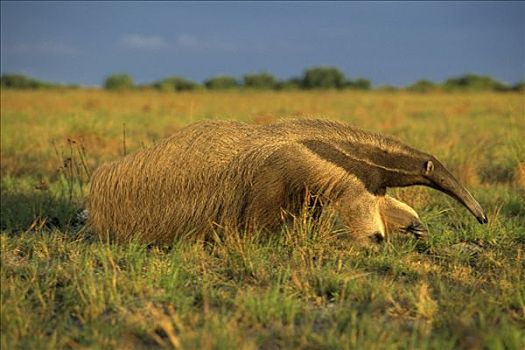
x: 306, y: 287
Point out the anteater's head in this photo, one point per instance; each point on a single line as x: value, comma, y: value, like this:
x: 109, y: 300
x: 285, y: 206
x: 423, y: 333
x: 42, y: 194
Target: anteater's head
x: 405, y: 166
x: 435, y: 175
x: 381, y: 162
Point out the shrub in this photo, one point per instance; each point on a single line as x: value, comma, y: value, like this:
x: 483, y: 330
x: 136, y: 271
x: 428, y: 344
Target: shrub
x: 359, y: 84
x: 388, y: 88
x: 19, y: 81
x: 422, y: 86
x: 519, y: 86
x: 175, y: 83
x: 473, y: 82
x: 260, y: 81
x: 323, y: 78
x: 290, y: 84
x: 119, y: 81
x: 221, y: 82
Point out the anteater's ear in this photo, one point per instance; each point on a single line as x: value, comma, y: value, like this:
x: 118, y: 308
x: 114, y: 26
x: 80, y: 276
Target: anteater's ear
x: 429, y: 167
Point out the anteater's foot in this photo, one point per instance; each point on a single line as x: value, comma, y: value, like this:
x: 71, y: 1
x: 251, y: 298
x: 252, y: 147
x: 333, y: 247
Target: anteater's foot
x: 417, y: 229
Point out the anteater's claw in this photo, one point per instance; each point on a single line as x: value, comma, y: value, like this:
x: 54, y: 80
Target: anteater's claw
x: 418, y: 230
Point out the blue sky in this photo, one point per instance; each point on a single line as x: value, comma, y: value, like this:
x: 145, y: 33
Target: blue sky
x: 387, y: 42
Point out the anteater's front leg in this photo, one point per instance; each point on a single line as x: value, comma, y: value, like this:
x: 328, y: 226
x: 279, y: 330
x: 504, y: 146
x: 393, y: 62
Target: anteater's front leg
x: 400, y: 218
x: 361, y: 214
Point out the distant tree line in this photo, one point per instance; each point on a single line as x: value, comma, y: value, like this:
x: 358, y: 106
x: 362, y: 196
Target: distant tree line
x: 468, y: 82
x: 315, y: 78
x: 20, y: 81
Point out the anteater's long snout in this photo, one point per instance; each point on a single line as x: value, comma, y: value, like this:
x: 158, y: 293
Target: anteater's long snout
x: 473, y: 206
x: 483, y: 219
x: 444, y: 181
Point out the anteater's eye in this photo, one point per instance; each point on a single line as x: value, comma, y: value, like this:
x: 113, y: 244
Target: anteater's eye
x: 429, y: 167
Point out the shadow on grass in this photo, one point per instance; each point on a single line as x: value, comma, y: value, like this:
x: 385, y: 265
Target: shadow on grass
x: 23, y: 210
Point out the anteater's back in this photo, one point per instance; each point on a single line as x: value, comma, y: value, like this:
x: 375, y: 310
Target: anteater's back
x: 167, y: 189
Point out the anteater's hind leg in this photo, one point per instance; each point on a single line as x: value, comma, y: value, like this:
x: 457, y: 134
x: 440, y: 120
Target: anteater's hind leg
x: 400, y: 218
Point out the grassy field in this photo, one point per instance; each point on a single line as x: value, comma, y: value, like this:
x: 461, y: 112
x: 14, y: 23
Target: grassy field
x: 305, y: 287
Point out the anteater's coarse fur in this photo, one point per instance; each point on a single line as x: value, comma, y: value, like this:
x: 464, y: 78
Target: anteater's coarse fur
x: 216, y: 175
